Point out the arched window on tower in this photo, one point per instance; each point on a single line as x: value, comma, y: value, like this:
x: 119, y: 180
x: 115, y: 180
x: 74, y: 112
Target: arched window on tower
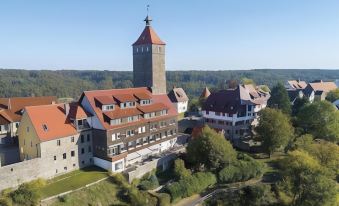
x: 137, y: 49
x: 159, y: 49
x: 147, y: 49
x: 142, y: 49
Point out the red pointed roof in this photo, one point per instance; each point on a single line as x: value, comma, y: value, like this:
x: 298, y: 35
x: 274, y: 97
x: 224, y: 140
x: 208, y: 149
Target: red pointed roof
x: 148, y: 36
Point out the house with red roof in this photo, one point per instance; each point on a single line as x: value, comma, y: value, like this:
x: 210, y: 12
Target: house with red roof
x: 60, y: 134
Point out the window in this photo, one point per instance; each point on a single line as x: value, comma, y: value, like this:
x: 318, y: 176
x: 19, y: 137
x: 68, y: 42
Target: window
x: 82, y: 139
x: 217, y: 114
x: 58, y: 142
x: 145, y: 102
x: 82, y: 150
x: 74, y: 165
x: 72, y: 139
x: 72, y: 153
x: 64, y: 156
x: 54, y: 158
x: 17, y: 124
x: 115, y: 121
x: 44, y: 127
x: 89, y: 149
x: 27, y: 129
x: 65, y: 168
x: 129, y: 133
x: 163, y: 112
x: 107, y: 107
x: 207, y: 112
x: 88, y: 137
x: 118, y: 166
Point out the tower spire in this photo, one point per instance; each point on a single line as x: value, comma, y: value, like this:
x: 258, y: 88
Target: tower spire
x: 148, y: 18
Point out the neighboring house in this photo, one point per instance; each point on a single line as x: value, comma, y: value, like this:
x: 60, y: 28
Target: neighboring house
x: 129, y: 125
x: 59, y: 134
x: 294, y: 94
x: 235, y: 110
x: 295, y: 85
x: 295, y: 89
x: 179, y: 99
x: 318, y: 90
x: 11, y: 110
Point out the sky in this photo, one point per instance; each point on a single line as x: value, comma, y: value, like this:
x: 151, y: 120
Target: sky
x: 206, y: 35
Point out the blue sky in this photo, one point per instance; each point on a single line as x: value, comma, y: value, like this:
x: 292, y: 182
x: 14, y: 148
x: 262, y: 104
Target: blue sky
x: 209, y: 35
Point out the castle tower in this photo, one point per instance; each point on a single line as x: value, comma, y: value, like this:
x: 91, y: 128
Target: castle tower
x: 149, y: 60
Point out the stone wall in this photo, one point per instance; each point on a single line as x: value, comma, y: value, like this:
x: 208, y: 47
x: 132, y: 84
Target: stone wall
x: 139, y: 171
x: 15, y: 174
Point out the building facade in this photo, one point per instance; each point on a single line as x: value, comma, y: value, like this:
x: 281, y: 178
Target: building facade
x: 129, y: 125
x: 235, y: 111
x: 149, y: 61
x: 48, y: 133
x: 11, y: 111
x: 179, y: 99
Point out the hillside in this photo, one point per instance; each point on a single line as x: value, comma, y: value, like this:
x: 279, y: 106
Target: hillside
x: 70, y: 83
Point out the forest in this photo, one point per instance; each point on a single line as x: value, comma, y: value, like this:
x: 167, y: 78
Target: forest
x: 71, y: 83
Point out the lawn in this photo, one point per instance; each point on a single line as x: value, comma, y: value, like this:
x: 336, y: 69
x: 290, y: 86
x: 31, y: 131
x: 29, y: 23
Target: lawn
x: 72, y: 181
x: 104, y: 193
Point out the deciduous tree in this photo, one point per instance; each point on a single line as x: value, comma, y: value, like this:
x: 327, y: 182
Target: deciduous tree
x: 279, y: 99
x: 274, y: 129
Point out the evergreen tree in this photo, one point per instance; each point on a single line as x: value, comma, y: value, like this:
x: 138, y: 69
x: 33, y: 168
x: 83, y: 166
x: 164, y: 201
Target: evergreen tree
x: 279, y: 99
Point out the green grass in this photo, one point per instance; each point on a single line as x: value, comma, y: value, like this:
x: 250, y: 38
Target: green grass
x: 72, y: 181
x: 104, y: 193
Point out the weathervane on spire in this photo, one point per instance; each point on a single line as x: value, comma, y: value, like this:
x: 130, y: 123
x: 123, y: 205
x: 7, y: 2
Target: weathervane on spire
x: 148, y: 19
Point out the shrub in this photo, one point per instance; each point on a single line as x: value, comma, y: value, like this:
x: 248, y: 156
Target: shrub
x: 164, y: 199
x: 190, y: 185
x: 228, y: 174
x: 241, y: 170
x: 4, y: 201
x: 63, y: 199
x: 150, y: 183
x: 25, y: 195
x: 180, y: 170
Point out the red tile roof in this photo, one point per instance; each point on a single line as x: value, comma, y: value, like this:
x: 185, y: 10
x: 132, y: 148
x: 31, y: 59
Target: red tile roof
x: 120, y: 113
x: 148, y: 36
x: 105, y: 100
x: 55, y: 120
x: 77, y: 112
x: 125, y: 97
x: 90, y: 95
x: 15, y: 105
x: 143, y: 96
x: 152, y: 107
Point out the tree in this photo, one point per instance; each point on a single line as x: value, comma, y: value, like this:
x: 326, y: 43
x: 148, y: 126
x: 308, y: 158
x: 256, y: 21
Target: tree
x: 265, y: 88
x: 321, y: 120
x: 333, y: 95
x: 247, y: 81
x: 298, y: 104
x: 210, y: 149
x: 279, y: 99
x: 180, y: 170
x: 274, y: 129
x: 304, y: 180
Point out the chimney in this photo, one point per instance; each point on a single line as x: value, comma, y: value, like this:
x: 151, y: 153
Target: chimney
x: 9, y: 104
x: 66, y: 108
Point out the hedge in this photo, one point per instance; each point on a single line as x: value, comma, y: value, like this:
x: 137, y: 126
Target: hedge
x: 240, y: 171
x: 188, y: 186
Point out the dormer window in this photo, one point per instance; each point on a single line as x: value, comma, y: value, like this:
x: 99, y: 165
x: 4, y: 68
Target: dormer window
x: 163, y: 112
x: 145, y: 102
x: 108, y: 107
x: 127, y: 105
